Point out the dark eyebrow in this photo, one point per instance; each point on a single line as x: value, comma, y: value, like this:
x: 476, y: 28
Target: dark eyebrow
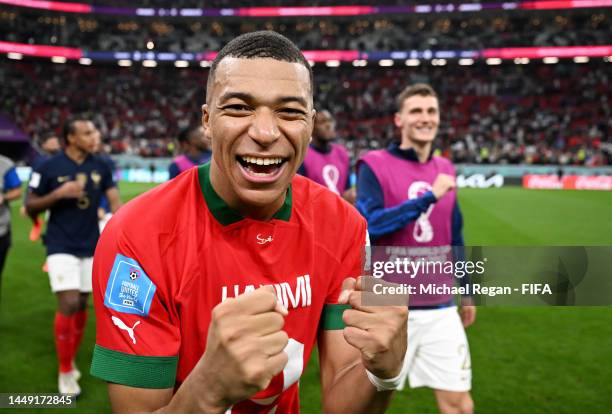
x: 289, y: 99
x: 238, y: 95
x: 418, y: 109
x: 246, y: 97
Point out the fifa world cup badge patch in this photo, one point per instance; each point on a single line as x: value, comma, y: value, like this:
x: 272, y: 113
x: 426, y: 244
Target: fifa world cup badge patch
x: 129, y: 289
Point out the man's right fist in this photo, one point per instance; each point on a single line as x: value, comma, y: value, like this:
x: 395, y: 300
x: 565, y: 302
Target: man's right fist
x: 70, y: 189
x: 244, y: 348
x: 442, y: 185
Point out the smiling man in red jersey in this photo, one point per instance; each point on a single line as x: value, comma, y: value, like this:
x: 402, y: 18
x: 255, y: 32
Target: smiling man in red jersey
x: 212, y: 289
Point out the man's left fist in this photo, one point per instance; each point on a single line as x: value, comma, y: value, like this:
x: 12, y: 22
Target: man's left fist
x: 378, y: 330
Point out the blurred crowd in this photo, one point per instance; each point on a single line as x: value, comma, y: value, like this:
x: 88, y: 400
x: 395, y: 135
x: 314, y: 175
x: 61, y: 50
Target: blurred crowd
x: 535, y: 113
x: 138, y: 111
x: 398, y: 32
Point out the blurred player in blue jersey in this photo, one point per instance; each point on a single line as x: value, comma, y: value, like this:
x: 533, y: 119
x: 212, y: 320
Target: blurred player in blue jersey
x: 10, y: 189
x: 407, y: 196
x: 49, y: 145
x: 104, y: 211
x: 195, y: 149
x: 70, y: 185
x: 326, y: 162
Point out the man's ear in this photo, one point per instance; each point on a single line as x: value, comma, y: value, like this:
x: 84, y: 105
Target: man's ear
x: 312, y: 122
x: 397, y: 120
x: 206, y: 122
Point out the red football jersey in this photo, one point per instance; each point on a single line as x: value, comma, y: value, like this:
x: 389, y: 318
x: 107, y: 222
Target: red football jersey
x: 170, y: 256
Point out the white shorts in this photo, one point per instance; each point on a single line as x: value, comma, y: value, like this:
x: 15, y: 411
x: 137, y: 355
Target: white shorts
x: 438, y: 354
x: 68, y: 272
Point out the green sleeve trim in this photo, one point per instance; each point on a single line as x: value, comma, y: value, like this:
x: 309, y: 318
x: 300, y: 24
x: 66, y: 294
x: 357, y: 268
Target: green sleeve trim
x: 332, y: 317
x: 134, y: 370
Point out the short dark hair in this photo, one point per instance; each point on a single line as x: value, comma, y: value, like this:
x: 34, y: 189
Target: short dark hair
x: 46, y: 137
x: 260, y: 44
x: 421, y: 89
x: 69, y: 125
x: 186, y: 133
x: 321, y: 111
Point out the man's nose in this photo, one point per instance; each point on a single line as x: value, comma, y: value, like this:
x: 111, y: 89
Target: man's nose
x: 264, y: 128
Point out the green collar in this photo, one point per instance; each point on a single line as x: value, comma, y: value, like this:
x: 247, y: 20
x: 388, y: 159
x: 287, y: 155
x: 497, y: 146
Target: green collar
x: 219, y: 208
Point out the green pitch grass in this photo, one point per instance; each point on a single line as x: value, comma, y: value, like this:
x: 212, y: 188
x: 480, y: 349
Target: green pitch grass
x: 535, y: 360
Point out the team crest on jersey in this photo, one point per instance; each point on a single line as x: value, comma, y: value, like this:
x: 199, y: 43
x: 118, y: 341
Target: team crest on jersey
x: 96, y: 178
x: 263, y: 240
x: 129, y: 289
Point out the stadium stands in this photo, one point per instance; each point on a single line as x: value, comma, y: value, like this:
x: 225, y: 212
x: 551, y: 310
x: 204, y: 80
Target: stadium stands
x: 535, y: 113
x: 402, y: 32
x: 212, y: 4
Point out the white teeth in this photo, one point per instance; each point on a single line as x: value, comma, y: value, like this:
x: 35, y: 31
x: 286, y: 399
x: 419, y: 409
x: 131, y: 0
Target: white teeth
x: 262, y: 161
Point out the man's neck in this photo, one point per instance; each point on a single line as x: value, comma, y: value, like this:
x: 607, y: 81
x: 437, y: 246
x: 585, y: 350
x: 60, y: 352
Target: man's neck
x: 75, y: 154
x: 194, y: 154
x: 321, y: 145
x: 422, y: 149
x: 261, y: 214
x: 223, y: 188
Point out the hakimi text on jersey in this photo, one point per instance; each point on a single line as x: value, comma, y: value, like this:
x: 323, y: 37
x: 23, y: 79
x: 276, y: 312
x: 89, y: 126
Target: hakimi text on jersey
x: 292, y: 294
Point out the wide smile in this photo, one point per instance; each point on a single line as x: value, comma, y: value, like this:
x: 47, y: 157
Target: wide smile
x: 261, y: 169
x: 425, y: 129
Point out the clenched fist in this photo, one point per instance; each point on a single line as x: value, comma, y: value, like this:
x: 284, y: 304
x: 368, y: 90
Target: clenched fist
x: 244, y: 348
x: 442, y: 185
x: 379, y: 332
x: 70, y: 189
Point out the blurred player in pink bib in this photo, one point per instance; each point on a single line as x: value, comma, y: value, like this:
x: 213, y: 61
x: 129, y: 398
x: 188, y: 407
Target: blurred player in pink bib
x: 326, y: 162
x: 408, y: 197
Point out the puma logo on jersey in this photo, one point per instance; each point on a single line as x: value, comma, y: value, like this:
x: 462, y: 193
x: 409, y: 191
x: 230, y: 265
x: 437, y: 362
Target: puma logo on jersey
x: 263, y: 240
x: 293, y: 294
x: 121, y: 325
